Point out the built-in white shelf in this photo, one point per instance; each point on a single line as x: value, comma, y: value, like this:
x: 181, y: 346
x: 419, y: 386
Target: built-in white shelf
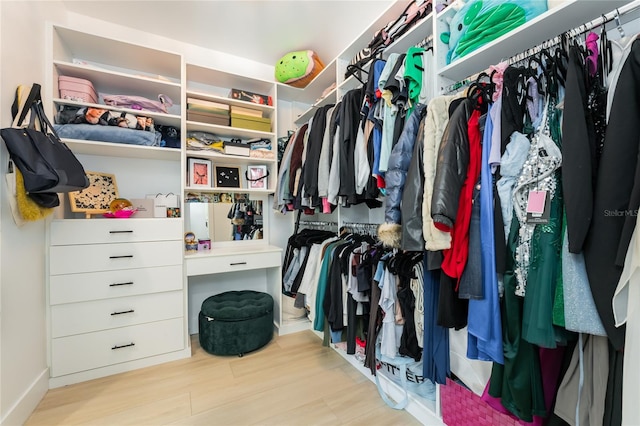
x: 111, y: 149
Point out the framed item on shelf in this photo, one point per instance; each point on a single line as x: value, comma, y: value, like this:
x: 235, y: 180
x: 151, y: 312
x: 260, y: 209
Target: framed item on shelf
x: 257, y: 177
x: 199, y: 173
x: 227, y: 177
x: 96, y: 198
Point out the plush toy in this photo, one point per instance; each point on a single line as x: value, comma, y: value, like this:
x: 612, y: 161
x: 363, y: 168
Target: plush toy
x: 481, y: 21
x: 298, y: 68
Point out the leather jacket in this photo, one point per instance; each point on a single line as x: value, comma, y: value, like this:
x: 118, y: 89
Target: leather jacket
x: 451, y: 170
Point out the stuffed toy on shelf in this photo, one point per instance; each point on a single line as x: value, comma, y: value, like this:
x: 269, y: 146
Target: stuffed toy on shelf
x: 298, y: 68
x: 481, y: 21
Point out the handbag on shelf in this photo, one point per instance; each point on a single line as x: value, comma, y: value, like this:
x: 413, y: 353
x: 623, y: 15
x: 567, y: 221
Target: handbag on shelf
x: 47, y: 165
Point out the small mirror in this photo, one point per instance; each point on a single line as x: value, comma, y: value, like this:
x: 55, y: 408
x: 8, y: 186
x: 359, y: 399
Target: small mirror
x: 224, y: 217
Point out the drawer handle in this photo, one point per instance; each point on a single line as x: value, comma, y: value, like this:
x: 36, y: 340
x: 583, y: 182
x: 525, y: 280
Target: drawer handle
x: 118, y: 284
x: 121, y: 257
x: 121, y: 232
x: 122, y: 346
x: 130, y: 311
x: 238, y: 263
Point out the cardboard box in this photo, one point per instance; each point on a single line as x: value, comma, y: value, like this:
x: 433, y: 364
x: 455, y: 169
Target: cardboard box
x: 144, y: 206
x: 253, y: 123
x: 245, y: 95
x: 203, y: 117
x: 237, y: 148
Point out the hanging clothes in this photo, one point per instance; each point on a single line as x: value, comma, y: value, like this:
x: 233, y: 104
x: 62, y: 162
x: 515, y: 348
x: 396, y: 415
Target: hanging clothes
x: 617, y: 196
x: 484, y: 325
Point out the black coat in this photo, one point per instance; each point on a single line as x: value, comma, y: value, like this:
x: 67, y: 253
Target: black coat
x: 617, y: 195
x: 578, y: 154
x: 451, y: 170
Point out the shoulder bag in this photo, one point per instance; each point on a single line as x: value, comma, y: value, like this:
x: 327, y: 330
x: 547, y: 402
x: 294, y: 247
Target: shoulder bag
x: 47, y: 164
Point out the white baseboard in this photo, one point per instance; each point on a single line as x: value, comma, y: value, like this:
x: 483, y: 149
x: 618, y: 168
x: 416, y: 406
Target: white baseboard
x: 293, y: 326
x: 28, y: 401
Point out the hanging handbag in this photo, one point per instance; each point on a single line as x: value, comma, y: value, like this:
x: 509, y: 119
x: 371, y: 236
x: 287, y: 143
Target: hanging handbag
x: 47, y: 165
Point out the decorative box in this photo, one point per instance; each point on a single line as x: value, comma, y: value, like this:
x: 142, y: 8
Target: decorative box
x: 209, y: 118
x: 77, y: 89
x: 245, y: 95
x: 248, y: 122
x: 204, y: 244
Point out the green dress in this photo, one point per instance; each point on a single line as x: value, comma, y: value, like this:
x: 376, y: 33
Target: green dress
x: 518, y: 382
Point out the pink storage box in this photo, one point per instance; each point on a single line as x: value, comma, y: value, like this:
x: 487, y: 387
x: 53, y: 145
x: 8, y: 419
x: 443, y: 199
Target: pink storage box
x: 77, y: 89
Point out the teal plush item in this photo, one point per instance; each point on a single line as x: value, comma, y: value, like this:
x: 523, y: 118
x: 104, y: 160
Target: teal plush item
x: 481, y: 21
x: 235, y: 322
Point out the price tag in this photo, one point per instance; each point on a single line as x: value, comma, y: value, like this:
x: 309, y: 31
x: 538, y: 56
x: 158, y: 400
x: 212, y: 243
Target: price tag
x: 538, y: 207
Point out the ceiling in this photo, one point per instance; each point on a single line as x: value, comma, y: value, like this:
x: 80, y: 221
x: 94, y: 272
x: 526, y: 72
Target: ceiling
x: 262, y: 30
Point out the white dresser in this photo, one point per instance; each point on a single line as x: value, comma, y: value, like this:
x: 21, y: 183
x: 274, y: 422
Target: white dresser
x: 116, y: 296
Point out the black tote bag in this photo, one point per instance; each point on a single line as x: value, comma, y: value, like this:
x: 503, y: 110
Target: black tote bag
x: 47, y: 164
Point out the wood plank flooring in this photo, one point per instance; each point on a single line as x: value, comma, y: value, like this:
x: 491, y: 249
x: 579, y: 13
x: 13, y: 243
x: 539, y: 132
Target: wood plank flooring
x: 293, y: 380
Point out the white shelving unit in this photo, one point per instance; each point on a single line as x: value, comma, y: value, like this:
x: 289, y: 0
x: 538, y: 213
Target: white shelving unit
x: 567, y: 15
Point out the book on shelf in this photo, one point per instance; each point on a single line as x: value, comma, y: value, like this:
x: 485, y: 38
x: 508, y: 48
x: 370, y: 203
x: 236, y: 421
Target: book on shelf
x: 246, y: 111
x: 235, y: 148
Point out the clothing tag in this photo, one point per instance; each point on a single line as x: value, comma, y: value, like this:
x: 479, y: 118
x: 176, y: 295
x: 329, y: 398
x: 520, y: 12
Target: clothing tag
x: 538, y: 207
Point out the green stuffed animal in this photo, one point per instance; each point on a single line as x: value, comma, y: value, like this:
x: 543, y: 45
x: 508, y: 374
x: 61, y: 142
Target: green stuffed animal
x: 298, y: 68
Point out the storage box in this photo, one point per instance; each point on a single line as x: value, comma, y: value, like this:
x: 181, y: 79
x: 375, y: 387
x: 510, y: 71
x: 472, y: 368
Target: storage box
x: 77, y: 89
x: 244, y: 95
x: 209, y: 118
x: 253, y: 123
x: 144, y: 207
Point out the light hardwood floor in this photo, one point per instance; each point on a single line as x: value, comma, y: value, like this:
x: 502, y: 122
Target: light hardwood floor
x: 293, y: 380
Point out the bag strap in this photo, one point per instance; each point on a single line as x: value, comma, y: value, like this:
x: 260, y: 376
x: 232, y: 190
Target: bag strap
x: 246, y: 174
x: 23, y: 108
x: 400, y: 405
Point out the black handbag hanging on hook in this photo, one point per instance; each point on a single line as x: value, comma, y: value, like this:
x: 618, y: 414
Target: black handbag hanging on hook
x: 47, y: 164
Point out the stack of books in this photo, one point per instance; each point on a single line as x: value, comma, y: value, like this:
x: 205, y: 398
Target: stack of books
x: 207, y: 112
x: 248, y: 118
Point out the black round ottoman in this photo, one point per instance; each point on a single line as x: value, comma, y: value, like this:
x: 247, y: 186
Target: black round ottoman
x: 236, y: 322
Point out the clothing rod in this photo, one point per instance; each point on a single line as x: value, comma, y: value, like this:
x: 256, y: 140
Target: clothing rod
x: 427, y: 41
x: 317, y: 223
x: 361, y: 225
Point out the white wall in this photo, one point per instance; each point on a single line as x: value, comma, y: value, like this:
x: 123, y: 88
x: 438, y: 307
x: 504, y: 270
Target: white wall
x: 23, y: 360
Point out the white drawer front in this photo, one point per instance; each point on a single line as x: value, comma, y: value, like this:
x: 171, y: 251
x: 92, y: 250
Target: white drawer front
x: 97, y: 231
x: 228, y: 263
x: 86, y: 351
x: 105, y: 285
x: 76, y: 318
x: 109, y: 257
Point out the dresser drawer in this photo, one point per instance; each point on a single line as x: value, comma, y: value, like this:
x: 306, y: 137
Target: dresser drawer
x: 229, y: 263
x: 109, y: 257
x: 96, y: 231
x: 85, y: 317
x: 105, y: 285
x: 92, y: 350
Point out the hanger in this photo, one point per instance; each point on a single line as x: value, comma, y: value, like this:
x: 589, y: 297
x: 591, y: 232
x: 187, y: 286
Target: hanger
x: 618, y: 24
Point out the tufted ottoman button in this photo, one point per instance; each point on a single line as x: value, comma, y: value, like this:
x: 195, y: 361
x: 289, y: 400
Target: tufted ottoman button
x: 236, y: 322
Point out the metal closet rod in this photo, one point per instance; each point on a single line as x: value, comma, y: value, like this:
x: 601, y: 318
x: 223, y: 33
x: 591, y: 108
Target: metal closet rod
x: 361, y: 224
x: 317, y: 223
